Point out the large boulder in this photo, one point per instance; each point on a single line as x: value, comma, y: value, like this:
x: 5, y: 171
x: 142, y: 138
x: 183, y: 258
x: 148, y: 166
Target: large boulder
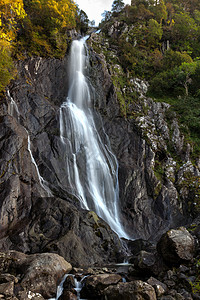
x: 149, y: 262
x: 37, y: 274
x: 137, y: 290
x: 94, y: 285
x: 176, y: 246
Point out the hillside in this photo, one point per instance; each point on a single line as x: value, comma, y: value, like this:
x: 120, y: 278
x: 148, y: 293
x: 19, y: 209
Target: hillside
x: 99, y: 143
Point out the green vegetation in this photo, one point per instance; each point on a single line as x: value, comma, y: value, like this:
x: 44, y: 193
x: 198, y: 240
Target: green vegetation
x: 162, y: 45
x: 117, y: 5
x: 196, y: 284
x: 35, y: 27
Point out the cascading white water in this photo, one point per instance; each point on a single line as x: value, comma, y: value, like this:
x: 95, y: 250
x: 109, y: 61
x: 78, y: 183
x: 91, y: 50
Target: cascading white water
x: 43, y: 182
x: 78, y: 287
x: 92, y: 168
x: 13, y: 108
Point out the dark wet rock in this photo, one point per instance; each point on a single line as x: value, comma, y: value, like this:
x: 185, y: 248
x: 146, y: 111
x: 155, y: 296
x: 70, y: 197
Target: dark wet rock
x: 160, y: 287
x: 78, y: 235
x: 69, y: 283
x: 135, y: 246
x: 167, y: 297
x: 95, y: 284
x: 67, y: 295
x: 150, y: 262
x: 130, y: 290
x: 176, y: 246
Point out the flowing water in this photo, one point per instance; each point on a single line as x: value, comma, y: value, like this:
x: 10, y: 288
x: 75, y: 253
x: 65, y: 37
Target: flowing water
x: 92, y: 168
x: 12, y: 107
x: 78, y: 287
x: 43, y: 182
x: 14, y: 112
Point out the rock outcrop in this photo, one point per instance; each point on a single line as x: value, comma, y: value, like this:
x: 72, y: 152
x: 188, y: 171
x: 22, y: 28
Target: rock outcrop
x: 155, y: 193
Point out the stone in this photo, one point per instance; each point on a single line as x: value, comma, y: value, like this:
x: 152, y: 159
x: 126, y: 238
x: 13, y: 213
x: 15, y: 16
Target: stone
x: 37, y: 273
x: 130, y: 290
x: 67, y: 295
x: 176, y: 246
x: 135, y: 246
x: 7, y: 289
x: 95, y: 284
x: 69, y: 283
x: 151, y: 262
x: 7, y: 278
x: 44, y: 272
x: 160, y: 288
x: 167, y: 297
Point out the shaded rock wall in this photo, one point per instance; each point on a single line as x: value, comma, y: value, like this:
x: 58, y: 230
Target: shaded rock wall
x: 37, y: 211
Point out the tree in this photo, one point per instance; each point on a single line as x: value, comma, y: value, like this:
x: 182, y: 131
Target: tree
x: 155, y: 32
x: 7, y: 70
x: 106, y: 16
x: 82, y: 21
x: 160, y: 11
x: 117, y: 5
x: 11, y: 11
x: 92, y: 23
x: 186, y: 71
x: 45, y: 27
x: 184, y: 28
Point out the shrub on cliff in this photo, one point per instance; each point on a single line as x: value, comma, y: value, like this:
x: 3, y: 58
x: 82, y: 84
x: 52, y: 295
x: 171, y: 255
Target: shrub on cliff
x: 44, y: 30
x: 7, y: 70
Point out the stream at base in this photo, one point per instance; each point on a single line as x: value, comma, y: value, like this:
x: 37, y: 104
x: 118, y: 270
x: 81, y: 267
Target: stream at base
x: 78, y: 287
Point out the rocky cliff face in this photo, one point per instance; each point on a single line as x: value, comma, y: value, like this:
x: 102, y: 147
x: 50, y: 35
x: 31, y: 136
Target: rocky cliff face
x: 154, y: 157
x: 38, y: 212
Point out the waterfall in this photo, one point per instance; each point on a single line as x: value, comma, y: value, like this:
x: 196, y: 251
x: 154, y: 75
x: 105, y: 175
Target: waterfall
x: 43, y: 182
x: 78, y: 287
x: 91, y: 167
x: 12, y: 107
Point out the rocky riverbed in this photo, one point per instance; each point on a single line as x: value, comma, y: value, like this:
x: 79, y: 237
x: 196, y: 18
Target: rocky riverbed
x: 169, y: 270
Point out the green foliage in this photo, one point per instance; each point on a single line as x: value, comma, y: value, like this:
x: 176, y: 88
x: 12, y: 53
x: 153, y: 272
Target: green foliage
x: 82, y: 21
x: 172, y: 59
x: 44, y: 30
x: 160, y: 11
x: 155, y: 33
x: 7, y: 70
x: 117, y: 5
x: 184, y: 31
